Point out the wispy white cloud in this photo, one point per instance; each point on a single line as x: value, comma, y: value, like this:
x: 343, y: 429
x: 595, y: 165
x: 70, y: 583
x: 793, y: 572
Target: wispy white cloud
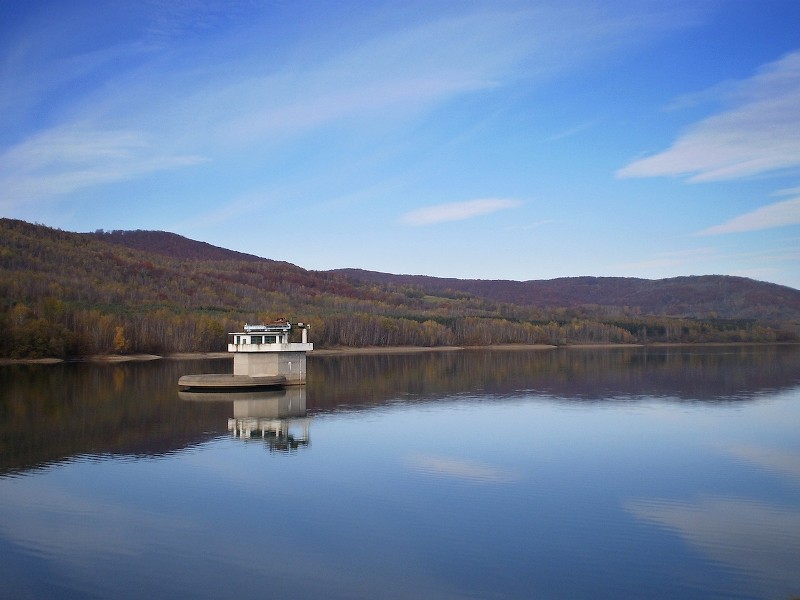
x: 761, y: 264
x: 572, y: 131
x: 66, y: 159
x: 414, y: 69
x: 703, y: 97
x: 226, y: 105
x: 759, y: 133
x: 530, y: 226
x: 779, y: 214
x: 672, y: 259
x: 456, y: 211
x: 165, y: 86
x: 167, y: 21
x: 749, y: 263
x: 788, y: 192
x: 239, y: 208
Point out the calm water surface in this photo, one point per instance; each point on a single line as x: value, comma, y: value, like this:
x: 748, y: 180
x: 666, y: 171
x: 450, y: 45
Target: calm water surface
x: 635, y: 473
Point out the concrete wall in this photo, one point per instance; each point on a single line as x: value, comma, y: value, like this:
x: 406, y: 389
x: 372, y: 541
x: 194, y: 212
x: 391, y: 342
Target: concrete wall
x: 280, y: 404
x: 291, y: 365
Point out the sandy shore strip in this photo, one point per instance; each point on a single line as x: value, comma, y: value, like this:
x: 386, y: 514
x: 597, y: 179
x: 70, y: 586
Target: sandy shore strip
x: 117, y: 358
x: 382, y: 350
x: 197, y: 355
x: 417, y: 349
x: 30, y: 361
x: 345, y: 351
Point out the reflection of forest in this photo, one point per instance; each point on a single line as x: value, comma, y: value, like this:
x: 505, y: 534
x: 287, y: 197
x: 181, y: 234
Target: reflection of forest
x: 685, y: 373
x: 52, y: 413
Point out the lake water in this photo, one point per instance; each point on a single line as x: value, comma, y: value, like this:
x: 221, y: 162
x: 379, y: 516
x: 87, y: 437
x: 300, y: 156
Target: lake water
x: 623, y: 473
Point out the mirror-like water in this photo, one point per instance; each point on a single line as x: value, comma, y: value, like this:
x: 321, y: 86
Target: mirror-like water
x: 624, y: 473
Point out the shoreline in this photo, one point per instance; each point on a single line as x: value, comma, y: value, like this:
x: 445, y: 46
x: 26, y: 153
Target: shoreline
x: 348, y: 351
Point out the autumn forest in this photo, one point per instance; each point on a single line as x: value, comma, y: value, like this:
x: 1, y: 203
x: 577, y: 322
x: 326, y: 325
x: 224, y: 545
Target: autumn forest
x: 66, y: 294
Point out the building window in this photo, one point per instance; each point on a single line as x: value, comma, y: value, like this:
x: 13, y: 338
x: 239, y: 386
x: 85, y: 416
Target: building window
x: 269, y: 339
x: 255, y: 339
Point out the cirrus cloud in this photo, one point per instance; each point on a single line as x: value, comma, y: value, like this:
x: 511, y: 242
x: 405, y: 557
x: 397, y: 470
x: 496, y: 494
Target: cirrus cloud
x: 779, y: 214
x: 70, y: 158
x: 759, y: 133
x: 456, y: 211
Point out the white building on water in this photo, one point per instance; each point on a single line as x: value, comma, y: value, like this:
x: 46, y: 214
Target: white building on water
x: 264, y: 350
x: 263, y: 356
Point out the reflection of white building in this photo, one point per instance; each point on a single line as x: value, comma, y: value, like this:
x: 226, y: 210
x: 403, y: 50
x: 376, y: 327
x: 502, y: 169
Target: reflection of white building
x: 278, y: 417
x: 265, y: 350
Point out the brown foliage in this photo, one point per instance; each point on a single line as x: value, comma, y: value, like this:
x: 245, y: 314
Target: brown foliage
x: 67, y: 294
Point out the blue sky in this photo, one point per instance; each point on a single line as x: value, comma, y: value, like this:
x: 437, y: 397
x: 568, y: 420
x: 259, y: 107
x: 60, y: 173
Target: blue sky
x: 487, y: 140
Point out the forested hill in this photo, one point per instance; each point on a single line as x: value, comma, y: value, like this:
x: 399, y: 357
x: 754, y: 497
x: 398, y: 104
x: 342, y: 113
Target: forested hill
x: 67, y: 294
x: 699, y: 296
x: 170, y: 244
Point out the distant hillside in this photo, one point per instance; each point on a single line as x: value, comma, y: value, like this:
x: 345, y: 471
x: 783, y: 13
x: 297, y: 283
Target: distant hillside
x: 68, y: 294
x: 170, y: 244
x: 720, y: 296
x: 697, y: 297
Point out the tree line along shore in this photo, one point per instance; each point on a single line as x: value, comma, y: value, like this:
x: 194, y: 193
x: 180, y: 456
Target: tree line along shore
x: 66, y: 295
x: 55, y: 332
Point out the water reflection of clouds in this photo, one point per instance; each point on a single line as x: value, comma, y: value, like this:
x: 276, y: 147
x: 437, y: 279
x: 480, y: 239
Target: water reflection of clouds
x: 102, y: 548
x: 782, y: 462
x: 75, y: 526
x: 462, y: 469
x: 756, y: 539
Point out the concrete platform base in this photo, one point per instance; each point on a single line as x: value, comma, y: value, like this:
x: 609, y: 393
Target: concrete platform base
x: 215, y: 381
x: 287, y: 363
